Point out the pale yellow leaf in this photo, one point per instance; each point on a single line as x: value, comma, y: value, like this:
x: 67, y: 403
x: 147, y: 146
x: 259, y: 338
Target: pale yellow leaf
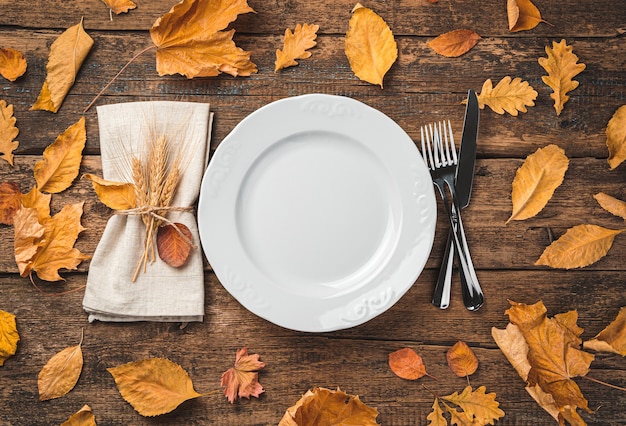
x: 12, y: 64
x: 616, y: 137
x: 83, y: 417
x: 512, y: 96
x: 454, y: 43
x: 296, y: 45
x: 435, y: 417
x: 512, y: 344
x: 61, y: 373
x: 115, y: 195
x: 28, y: 238
x: 612, y: 338
x: 119, y: 6
x: 8, y: 336
x: 477, y: 404
x: 8, y: 132
x: 611, y: 204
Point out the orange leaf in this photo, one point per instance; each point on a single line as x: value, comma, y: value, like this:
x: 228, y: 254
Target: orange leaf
x: 370, y: 46
x: 616, y: 137
x: 407, y: 364
x: 510, y: 96
x: 83, y: 417
x: 67, y: 54
x: 296, y: 45
x: 39, y: 201
x: 612, y: 338
x: 173, y: 244
x: 12, y: 64
x: 523, y: 15
x: 611, y: 204
x: 8, y: 132
x: 115, y: 195
x: 8, y: 336
x: 242, y: 380
x: 462, y: 359
x: 10, y: 201
x: 454, y: 43
x: 190, y: 40
x: 119, y: 6
x: 61, y: 373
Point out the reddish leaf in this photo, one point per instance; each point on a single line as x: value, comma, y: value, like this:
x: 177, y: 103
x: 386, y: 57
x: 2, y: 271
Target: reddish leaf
x: 454, y: 43
x: 407, y: 364
x: 10, y: 201
x: 242, y: 380
x: 173, y: 243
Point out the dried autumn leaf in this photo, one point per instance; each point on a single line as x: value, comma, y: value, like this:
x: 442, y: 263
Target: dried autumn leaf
x: 561, y: 65
x: 61, y: 159
x: 153, y: 386
x: 435, y: 417
x: 67, y: 54
x: 612, y: 338
x: 478, y: 406
x: 454, y: 43
x: 28, y: 238
x: 462, y: 359
x: 407, y: 364
x: 39, y: 201
x: 523, y: 15
x: 242, y: 380
x: 611, y: 204
x: 119, y: 6
x: 370, y: 46
x: 190, y: 40
x: 12, y: 64
x: 10, y: 201
x: 512, y: 96
x: 580, y: 246
x: 8, y: 132
x: 8, y: 336
x: 83, y: 417
x: 296, y: 46
x: 115, y: 195
x: 173, y: 244
x: 61, y: 373
x: 616, y: 137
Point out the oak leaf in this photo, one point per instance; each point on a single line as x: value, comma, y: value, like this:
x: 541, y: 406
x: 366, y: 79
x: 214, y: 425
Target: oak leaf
x: 479, y: 407
x: 536, y: 180
x: 561, y: 65
x: 119, y: 6
x: 153, y: 386
x: 616, y: 137
x: 612, y: 338
x: 454, y: 43
x: 407, y: 364
x: 174, y: 244
x: 190, y: 40
x: 8, y: 336
x: 8, y: 132
x: 39, y: 201
x: 462, y: 360
x: 296, y: 45
x: 83, y: 417
x: 370, y: 46
x: 435, y: 417
x: 61, y: 373
x: 67, y: 54
x: 512, y: 96
x: 242, y: 380
x: 115, y: 195
x: 61, y: 159
x: 611, y: 204
x: 12, y: 63
x: 523, y: 15
x: 10, y: 201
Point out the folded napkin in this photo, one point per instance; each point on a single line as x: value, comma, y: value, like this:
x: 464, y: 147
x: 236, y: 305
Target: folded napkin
x: 162, y: 293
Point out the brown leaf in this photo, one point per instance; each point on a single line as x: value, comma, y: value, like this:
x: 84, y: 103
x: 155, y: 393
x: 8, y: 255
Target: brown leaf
x: 12, y: 64
x: 10, y: 201
x: 616, y: 137
x: 612, y: 338
x: 407, y: 364
x: 38, y: 201
x: 8, y: 132
x: 462, y: 359
x: 296, y: 45
x: 115, y: 195
x: 242, y: 380
x: 561, y: 65
x: 536, y: 180
x: 173, y: 244
x: 370, y: 46
x: 61, y: 373
x: 454, y: 43
x: 523, y: 15
x: 83, y: 417
x: 611, y: 204
x: 190, y: 40
x: 67, y: 54
x: 479, y: 407
x: 61, y: 159
x: 119, y: 6
x: 512, y: 96
x: 8, y: 336
x: 153, y: 386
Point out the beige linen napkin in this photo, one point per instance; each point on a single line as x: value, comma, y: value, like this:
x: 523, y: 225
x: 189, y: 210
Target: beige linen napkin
x: 162, y: 293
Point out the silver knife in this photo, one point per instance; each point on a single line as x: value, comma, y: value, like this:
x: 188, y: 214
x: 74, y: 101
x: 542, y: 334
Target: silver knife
x: 473, y: 297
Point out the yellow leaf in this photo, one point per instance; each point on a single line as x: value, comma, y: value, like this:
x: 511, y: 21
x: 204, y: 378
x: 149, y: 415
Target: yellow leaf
x: 119, y: 6
x: 39, y: 201
x: 296, y: 45
x: 562, y: 68
x: 580, y: 246
x: 115, y: 195
x: 67, y: 54
x: 435, y: 417
x: 616, y: 137
x: 83, y: 417
x: 370, y: 46
x: 61, y: 373
x: 190, y: 40
x: 28, y: 238
x: 12, y: 64
x: 523, y: 15
x: 611, y: 204
x: 512, y: 96
x: 8, y: 132
x: 462, y: 360
x: 536, y: 180
x: 8, y: 336
x: 454, y: 43
x: 61, y: 159
x: 612, y: 338
x: 477, y: 405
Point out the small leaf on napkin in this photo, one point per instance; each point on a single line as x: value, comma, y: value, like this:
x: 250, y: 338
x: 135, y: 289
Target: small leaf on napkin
x: 61, y: 373
x: 242, y: 380
x: 8, y: 132
x: 454, y: 43
x: 115, y: 195
x: 296, y: 45
x: 12, y: 64
x: 173, y: 244
x: 407, y: 364
x: 462, y: 360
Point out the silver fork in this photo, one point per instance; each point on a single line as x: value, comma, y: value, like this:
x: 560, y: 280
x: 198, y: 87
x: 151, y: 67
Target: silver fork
x: 440, y: 156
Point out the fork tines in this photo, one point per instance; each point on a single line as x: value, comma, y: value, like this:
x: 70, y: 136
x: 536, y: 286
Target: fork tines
x: 438, y: 148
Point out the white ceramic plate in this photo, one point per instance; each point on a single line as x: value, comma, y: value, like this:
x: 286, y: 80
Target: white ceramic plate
x: 317, y: 212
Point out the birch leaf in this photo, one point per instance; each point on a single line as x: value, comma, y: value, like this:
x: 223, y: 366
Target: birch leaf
x: 10, y: 201
x: 296, y: 45
x: 8, y: 336
x: 370, y: 46
x: 39, y: 201
x: 407, y: 364
x: 83, y: 417
x: 119, y: 6
x: 242, y: 380
x: 561, y: 65
x: 612, y: 338
x: 435, y: 417
x: 115, y: 195
x: 454, y: 43
x: 61, y: 373
x: 611, y: 204
x: 512, y: 96
x: 580, y: 246
x: 462, y: 360
x: 174, y: 244
x: 67, y: 54
x: 616, y: 137
x: 536, y: 180
x: 12, y: 64
x: 477, y: 405
x: 8, y: 132
x: 523, y: 15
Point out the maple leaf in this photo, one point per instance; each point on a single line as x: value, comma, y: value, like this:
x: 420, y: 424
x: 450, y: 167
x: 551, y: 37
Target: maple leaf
x: 190, y: 40
x: 242, y: 380
x: 407, y: 364
x: 10, y: 201
x: 174, y: 244
x: 370, y: 46
x: 512, y: 96
x: 611, y: 204
x: 83, y: 417
x: 119, y: 6
x: 61, y: 373
x: 28, y: 238
x: 435, y: 417
x: 296, y: 45
x: 536, y: 180
x: 561, y: 65
x: 153, y: 386
x: 67, y: 54
x: 616, y: 137
x: 61, y: 159
x: 523, y: 15
x: 454, y: 43
x: 38, y: 201
x: 478, y: 406
x: 12, y: 63
x: 8, y: 336
x: 612, y: 338
x: 462, y: 360
x: 115, y: 195
x: 8, y: 132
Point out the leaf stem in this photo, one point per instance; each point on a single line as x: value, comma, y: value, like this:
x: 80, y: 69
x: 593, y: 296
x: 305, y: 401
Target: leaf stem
x: 48, y: 294
x: 600, y: 382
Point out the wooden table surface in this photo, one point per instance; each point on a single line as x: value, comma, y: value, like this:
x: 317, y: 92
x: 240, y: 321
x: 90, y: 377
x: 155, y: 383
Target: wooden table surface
x: 421, y: 87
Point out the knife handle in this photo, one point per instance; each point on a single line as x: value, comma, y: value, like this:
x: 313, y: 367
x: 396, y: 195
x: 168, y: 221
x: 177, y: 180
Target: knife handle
x: 441, y: 295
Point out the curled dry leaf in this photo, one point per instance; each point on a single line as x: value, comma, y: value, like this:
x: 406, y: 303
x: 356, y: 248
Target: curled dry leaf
x: 67, y: 54
x: 153, y: 386
x: 454, y: 43
x: 115, y: 195
x: 370, y: 46
x: 512, y: 96
x: 616, y: 137
x: 12, y: 64
x: 8, y: 336
x: 242, y: 380
x: 407, y: 364
x: 523, y: 15
x: 462, y: 360
x: 8, y: 132
x: 561, y: 65
x: 612, y: 338
x: 611, y: 204
x: 536, y: 180
x: 83, y: 417
x: 296, y: 45
x: 10, y: 201
x: 119, y: 6
x: 61, y: 373
x: 478, y: 407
